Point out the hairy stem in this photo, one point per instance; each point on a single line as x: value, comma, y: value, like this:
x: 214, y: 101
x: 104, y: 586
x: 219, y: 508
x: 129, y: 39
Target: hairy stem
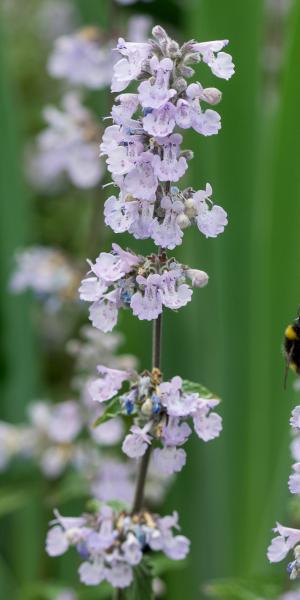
x: 144, y: 464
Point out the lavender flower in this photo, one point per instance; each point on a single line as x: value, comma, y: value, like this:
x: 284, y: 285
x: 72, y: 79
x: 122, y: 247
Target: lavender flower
x: 113, y: 544
x: 119, y: 283
x: 82, y: 59
x: 161, y: 410
x: 45, y: 271
x: 143, y: 149
x: 67, y: 147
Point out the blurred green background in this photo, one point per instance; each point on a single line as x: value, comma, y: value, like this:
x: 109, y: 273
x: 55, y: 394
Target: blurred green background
x: 229, y: 338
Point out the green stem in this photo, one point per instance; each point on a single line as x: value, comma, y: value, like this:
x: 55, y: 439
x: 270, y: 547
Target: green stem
x: 144, y: 464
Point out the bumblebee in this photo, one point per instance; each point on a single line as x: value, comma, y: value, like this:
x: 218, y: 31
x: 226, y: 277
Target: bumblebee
x: 292, y: 347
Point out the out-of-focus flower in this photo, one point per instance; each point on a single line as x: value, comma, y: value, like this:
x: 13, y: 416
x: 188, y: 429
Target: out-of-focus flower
x: 68, y: 147
x: 83, y: 58
x: 45, y: 271
x: 94, y: 347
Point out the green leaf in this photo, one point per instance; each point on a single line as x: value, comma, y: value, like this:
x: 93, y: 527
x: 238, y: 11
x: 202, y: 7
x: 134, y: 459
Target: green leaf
x: 141, y: 587
x: 198, y: 388
x: 113, y: 409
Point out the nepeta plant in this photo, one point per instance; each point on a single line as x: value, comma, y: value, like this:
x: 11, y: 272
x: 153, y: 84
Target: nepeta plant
x: 288, y: 538
x: 145, y: 158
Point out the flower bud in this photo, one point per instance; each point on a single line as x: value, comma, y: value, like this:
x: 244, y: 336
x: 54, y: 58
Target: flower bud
x: 147, y: 407
x: 183, y: 221
x: 190, y: 208
x: 186, y: 71
x: 160, y: 34
x: 180, y: 85
x: 173, y: 49
x: 212, y: 95
x: 192, y: 58
x: 198, y: 278
x: 188, y: 154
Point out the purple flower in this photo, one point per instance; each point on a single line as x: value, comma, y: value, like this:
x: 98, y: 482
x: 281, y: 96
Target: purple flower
x: 156, y: 94
x: 190, y: 114
x: 108, y: 385
x: 123, y: 158
x: 183, y: 114
x: 136, y: 442
x: 294, y: 479
x: 119, y: 215
x: 132, y: 550
x: 211, y: 220
x: 104, y: 313
x: 142, y: 181
x: 92, y: 289
x: 142, y: 219
x: 64, y: 422
x: 208, y: 122
x: 106, y: 535
x: 177, y: 403
x: 129, y: 67
x: 92, y: 573
x: 283, y: 543
x: 56, y: 542
x: 80, y: 60
x: 176, y: 547
x: 168, y: 233
x: 160, y: 122
x: 169, y: 459
x: 220, y: 62
x: 176, y: 433
x: 127, y: 106
x: 113, y: 480
x: 147, y: 305
x: 112, y: 266
x: 174, y: 294
x: 67, y: 147
x: 208, y: 425
x: 295, y: 418
x: 112, y: 137
x: 198, y: 278
x: 119, y: 575
x: 172, y: 166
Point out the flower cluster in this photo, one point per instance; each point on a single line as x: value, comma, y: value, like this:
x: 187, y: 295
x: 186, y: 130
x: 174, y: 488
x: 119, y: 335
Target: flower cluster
x: 143, y: 150
x: 68, y: 146
x: 47, y: 272
x: 122, y: 279
x: 161, y: 410
x: 289, y: 538
x: 113, y: 544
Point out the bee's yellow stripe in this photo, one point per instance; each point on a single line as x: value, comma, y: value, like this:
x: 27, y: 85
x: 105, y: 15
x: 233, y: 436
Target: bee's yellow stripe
x: 290, y: 333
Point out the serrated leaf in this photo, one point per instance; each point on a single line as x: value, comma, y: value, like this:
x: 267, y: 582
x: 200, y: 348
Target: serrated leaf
x: 113, y: 409
x: 198, y: 388
x: 141, y: 587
